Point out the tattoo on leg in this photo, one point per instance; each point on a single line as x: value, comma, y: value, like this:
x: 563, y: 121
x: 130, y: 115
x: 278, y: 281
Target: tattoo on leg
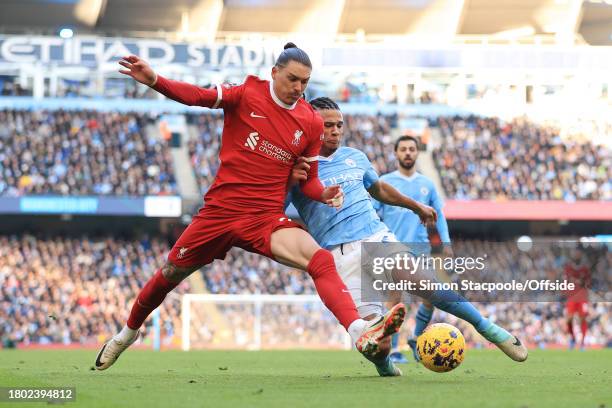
x: 176, y: 273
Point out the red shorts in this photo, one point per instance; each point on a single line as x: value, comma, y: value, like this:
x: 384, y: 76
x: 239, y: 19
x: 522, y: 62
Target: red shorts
x: 579, y: 308
x: 213, y: 232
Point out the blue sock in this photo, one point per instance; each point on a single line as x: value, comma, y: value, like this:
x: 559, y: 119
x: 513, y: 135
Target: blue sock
x: 394, y: 342
x: 384, y: 368
x: 423, y: 317
x: 455, y: 304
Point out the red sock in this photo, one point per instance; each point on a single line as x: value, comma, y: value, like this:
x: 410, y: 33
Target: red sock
x: 151, y: 296
x: 331, y: 289
x: 583, y: 329
x: 570, y: 329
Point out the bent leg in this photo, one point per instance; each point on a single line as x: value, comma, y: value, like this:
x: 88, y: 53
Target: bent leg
x: 204, y: 240
x: 295, y: 247
x: 455, y: 304
x: 155, y: 290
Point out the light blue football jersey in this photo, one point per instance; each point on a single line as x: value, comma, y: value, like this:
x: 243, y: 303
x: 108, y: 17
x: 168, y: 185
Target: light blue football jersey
x: 405, y: 224
x: 357, y: 218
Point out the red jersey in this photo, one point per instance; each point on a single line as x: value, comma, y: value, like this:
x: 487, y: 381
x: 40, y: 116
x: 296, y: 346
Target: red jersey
x: 262, y: 138
x: 580, y: 276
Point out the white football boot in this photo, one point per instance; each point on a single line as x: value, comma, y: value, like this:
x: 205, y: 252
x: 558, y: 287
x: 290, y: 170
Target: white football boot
x: 111, y: 350
x: 374, y: 332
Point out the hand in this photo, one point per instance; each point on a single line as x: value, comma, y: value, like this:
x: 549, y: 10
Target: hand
x: 299, y: 172
x: 333, y: 196
x: 427, y: 214
x: 138, y: 69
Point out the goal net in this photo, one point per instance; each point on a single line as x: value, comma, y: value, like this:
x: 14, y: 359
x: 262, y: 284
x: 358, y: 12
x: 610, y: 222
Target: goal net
x: 256, y: 322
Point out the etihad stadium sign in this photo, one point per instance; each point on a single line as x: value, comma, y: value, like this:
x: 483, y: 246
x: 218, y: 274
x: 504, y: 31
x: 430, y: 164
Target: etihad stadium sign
x: 101, y: 52
x: 92, y: 52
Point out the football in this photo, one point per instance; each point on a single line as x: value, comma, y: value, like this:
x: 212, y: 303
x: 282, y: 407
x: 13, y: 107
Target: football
x: 441, y: 347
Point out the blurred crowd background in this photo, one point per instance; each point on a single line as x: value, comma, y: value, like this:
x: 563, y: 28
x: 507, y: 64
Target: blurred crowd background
x: 77, y: 289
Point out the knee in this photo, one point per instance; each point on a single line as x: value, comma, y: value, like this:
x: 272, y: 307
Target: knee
x: 175, y: 273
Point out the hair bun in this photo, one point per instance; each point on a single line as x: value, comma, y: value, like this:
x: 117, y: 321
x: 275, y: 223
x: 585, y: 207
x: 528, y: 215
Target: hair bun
x: 290, y: 45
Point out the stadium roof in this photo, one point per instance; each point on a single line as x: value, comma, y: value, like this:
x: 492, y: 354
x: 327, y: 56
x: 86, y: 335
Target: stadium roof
x: 440, y: 19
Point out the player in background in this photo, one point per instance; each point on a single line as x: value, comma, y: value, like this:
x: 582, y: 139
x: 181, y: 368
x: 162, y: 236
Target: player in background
x: 267, y: 126
x: 577, y: 271
x: 408, y: 228
x: 342, y: 231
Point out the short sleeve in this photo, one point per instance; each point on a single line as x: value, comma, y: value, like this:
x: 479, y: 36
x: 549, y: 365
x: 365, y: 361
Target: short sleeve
x: 370, y: 176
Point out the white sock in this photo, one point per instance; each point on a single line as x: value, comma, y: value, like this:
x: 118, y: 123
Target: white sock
x: 126, y: 334
x: 355, y: 330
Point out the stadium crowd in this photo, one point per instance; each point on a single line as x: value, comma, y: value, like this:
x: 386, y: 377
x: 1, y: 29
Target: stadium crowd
x: 485, y: 158
x: 89, y: 152
x: 76, y: 290
x: 478, y: 158
x: 82, y: 153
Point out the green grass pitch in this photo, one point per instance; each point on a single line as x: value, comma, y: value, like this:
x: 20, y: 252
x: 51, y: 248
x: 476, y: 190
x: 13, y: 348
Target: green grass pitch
x: 141, y: 378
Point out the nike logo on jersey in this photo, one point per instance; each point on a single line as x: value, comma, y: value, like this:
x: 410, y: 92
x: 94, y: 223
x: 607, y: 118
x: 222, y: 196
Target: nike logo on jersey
x: 254, y: 115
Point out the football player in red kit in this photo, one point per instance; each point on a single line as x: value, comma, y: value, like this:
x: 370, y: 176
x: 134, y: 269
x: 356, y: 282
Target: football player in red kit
x: 577, y: 272
x: 267, y: 127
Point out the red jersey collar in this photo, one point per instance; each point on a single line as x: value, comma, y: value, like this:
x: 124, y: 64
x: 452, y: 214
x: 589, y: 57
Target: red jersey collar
x: 278, y: 101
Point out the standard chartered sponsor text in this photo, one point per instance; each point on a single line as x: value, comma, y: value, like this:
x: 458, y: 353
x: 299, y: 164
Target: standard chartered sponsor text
x: 275, y: 151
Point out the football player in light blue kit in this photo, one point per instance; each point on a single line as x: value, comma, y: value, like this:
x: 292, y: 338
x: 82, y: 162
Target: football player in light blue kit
x: 408, y: 228
x: 342, y: 231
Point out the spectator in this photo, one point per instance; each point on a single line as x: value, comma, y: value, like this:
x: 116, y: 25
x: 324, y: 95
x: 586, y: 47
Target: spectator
x: 82, y: 153
x: 74, y: 290
x: 484, y: 158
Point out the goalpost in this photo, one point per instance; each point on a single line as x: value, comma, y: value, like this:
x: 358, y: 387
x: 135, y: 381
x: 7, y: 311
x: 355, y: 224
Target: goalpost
x: 258, y: 322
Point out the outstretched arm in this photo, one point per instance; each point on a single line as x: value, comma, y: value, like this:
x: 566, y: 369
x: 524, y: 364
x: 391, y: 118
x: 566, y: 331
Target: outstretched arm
x: 182, y: 92
x: 387, y: 194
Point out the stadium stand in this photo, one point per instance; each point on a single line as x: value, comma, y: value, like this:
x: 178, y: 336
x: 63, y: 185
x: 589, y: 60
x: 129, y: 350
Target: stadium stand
x: 485, y: 158
x: 82, y: 153
x: 75, y: 290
